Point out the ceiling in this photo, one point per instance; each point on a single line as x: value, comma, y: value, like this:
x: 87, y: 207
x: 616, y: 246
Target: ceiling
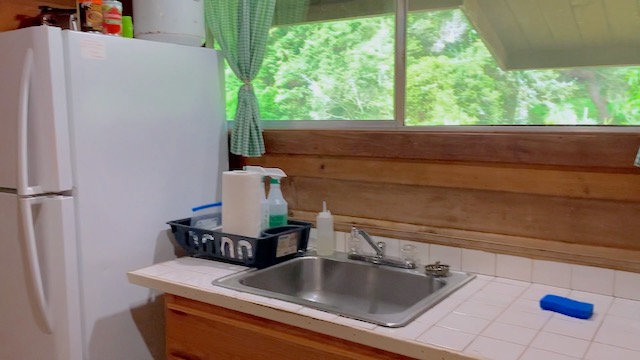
x: 535, y: 34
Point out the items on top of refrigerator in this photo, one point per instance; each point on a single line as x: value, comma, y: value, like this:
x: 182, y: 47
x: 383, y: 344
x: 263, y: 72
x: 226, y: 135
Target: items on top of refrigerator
x: 59, y: 17
x: 112, y: 17
x: 96, y: 16
x: 100, y: 16
x: 90, y: 15
x: 127, y: 27
x: 171, y: 21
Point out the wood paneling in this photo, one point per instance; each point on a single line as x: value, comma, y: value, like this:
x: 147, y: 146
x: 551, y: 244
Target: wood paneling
x: 619, y: 259
x: 626, y: 13
x: 516, y: 179
x: 561, y: 196
x: 605, y: 151
x: 589, y: 222
x: 624, y: 55
x: 559, y: 17
x: 532, y: 22
x: 593, y: 22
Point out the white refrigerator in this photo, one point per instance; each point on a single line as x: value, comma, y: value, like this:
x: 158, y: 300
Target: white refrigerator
x: 102, y: 140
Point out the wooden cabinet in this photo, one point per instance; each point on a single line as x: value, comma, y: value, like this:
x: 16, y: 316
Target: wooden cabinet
x: 199, y: 331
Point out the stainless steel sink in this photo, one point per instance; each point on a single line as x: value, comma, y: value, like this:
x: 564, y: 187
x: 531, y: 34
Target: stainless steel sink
x: 378, y: 294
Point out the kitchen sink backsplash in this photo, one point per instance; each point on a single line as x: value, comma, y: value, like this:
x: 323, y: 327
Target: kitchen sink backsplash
x: 592, y: 279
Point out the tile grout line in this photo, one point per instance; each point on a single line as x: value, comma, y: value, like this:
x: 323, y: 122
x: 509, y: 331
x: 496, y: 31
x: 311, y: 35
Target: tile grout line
x: 616, y: 346
x: 494, y: 320
x: 451, y: 311
x: 526, y: 347
x: 535, y: 337
x: 538, y: 331
x: 602, y: 323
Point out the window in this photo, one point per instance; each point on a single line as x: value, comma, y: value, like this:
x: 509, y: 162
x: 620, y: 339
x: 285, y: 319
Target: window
x: 472, y: 62
x: 324, y: 66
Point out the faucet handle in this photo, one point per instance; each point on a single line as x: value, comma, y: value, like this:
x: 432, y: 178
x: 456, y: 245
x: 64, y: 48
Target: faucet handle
x: 354, y: 244
x: 382, y: 246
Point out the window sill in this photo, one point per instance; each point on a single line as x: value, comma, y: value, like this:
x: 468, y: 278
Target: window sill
x: 390, y: 125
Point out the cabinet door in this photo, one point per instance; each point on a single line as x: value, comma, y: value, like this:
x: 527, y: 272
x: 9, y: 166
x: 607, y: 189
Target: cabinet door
x: 198, y: 331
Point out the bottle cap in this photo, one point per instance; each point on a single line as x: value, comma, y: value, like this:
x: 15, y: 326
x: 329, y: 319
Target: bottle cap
x: 324, y: 212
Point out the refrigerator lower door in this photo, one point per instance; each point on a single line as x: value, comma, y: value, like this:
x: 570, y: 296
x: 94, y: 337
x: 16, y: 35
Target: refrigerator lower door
x: 40, y: 312
x: 34, y: 132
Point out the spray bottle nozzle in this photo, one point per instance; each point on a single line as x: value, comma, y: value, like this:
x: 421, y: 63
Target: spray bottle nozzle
x: 273, y: 173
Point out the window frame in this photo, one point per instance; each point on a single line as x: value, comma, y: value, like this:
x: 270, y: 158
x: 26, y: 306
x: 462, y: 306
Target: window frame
x: 398, y: 123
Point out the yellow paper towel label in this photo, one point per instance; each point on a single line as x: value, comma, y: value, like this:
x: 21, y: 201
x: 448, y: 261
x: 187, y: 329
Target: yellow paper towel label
x: 287, y: 244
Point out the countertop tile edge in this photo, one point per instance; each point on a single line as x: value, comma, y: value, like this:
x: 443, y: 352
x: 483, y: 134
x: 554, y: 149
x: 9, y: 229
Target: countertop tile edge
x: 352, y: 333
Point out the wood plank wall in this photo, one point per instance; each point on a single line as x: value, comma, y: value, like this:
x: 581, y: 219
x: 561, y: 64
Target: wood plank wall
x: 570, y: 196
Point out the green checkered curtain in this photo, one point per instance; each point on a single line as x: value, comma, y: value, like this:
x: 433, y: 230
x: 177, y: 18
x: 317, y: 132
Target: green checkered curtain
x: 241, y: 28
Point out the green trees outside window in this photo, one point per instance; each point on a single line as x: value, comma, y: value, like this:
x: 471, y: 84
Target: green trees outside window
x: 344, y: 70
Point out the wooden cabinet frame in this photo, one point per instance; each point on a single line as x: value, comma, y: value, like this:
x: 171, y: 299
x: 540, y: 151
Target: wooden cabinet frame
x: 199, y: 331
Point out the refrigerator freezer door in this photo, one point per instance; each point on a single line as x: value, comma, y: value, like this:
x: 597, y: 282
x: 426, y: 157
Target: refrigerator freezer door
x: 34, y: 134
x: 149, y: 143
x: 31, y: 328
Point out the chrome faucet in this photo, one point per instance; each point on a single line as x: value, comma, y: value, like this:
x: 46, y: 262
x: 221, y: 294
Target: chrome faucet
x: 379, y: 258
x: 379, y: 247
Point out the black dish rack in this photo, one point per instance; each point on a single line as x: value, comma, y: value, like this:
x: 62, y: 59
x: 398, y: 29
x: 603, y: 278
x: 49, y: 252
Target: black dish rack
x: 275, y: 246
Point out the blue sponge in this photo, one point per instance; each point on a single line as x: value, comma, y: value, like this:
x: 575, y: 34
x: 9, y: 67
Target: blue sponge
x: 563, y: 305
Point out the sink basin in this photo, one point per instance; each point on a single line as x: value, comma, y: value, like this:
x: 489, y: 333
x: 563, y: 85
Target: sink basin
x: 378, y: 294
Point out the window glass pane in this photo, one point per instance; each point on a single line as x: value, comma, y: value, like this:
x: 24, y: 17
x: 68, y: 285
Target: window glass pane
x: 326, y: 60
x: 462, y: 72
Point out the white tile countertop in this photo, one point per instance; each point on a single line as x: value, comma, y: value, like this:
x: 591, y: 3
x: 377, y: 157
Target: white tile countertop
x: 489, y: 318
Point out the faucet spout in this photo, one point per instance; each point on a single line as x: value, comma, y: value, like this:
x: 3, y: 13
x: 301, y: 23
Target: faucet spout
x: 379, y: 247
x: 379, y: 258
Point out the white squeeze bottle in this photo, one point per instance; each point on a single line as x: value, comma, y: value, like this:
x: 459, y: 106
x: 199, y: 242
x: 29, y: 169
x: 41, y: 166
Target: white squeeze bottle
x: 278, y: 210
x: 326, y: 242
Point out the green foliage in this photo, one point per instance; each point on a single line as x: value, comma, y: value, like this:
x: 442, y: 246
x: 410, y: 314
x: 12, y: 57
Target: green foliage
x: 343, y: 70
x: 444, y: 91
x: 633, y: 103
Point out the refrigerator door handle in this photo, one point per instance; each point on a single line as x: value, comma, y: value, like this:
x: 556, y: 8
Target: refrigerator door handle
x: 23, y: 128
x: 34, y: 262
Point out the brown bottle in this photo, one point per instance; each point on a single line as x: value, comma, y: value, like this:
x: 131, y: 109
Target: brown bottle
x: 90, y: 15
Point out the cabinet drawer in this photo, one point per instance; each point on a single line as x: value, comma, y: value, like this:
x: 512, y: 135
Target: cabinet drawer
x: 199, y: 331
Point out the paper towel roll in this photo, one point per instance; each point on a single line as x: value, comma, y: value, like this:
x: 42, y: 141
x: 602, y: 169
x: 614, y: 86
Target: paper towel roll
x: 241, y: 195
